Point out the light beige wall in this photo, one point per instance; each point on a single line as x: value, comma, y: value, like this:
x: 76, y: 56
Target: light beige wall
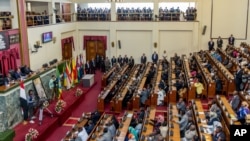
x: 50, y: 50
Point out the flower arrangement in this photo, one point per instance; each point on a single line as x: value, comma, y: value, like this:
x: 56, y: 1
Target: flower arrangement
x: 32, y: 134
x: 60, y: 105
x: 78, y: 92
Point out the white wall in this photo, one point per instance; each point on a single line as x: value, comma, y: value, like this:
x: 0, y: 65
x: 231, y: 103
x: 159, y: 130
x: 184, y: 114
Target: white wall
x: 50, y: 50
x: 39, y: 7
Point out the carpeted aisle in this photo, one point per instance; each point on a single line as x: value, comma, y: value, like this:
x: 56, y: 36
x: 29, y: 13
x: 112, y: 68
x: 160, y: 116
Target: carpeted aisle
x: 88, y: 104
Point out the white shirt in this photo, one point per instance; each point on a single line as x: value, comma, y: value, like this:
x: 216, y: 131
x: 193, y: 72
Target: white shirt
x: 83, y: 135
x: 160, y: 97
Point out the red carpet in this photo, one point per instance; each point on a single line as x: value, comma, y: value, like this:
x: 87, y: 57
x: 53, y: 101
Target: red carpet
x: 51, y: 129
x: 70, y: 121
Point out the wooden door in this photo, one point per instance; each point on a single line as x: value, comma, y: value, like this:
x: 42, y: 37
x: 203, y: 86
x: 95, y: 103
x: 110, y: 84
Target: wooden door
x: 66, y: 12
x: 93, y: 48
x: 100, y: 50
x: 67, y: 51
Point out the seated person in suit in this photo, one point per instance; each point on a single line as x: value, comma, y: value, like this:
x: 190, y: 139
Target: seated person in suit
x: 89, y: 127
x: 26, y: 70
x: 8, y: 79
x: 219, y: 135
x: 190, y: 133
x: 18, y: 74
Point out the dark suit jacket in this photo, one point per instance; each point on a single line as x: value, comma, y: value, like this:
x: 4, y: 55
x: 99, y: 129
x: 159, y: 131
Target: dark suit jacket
x: 113, y: 61
x: 235, y: 102
x: 238, y: 79
x: 119, y: 60
x: 143, y: 60
x: 219, y: 42
x: 210, y: 45
x: 231, y: 40
x: 125, y: 59
x: 131, y: 61
x: 155, y: 57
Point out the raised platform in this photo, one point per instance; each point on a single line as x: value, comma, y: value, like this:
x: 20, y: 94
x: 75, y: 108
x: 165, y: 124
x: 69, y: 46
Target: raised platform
x: 49, y: 124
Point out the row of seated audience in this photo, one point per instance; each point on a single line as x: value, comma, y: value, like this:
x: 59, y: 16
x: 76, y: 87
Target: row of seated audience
x: 35, y: 18
x: 96, y: 14
x: 16, y: 75
x: 135, y: 14
x: 5, y: 20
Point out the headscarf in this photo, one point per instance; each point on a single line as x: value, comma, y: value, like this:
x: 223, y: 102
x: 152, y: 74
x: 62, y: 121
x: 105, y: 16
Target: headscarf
x: 134, y: 132
x: 160, y: 118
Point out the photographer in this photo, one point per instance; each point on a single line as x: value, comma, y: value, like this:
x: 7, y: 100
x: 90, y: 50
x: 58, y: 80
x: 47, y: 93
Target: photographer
x: 53, y: 85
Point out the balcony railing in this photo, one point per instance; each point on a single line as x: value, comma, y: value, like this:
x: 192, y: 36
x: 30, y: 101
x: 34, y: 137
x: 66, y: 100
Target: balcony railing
x: 93, y: 17
x: 134, y: 16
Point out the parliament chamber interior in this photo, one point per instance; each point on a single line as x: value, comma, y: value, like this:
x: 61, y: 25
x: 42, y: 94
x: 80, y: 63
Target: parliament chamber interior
x: 124, y: 70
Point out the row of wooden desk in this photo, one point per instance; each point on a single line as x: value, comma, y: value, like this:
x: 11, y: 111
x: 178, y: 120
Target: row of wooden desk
x: 106, y: 76
x: 109, y: 88
x: 173, y: 126
x: 200, y: 119
x: 229, y: 117
x: 117, y: 101
x: 208, y: 82
x: 223, y: 73
x: 224, y: 56
x: 148, y: 128
x: 190, y: 94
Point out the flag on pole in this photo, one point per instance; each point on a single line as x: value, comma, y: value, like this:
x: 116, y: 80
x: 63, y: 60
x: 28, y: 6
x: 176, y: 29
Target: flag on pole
x: 59, y: 84
x: 22, y: 91
x: 23, y: 102
x: 78, y: 68
x: 74, y: 71
x: 68, y: 71
x: 67, y: 82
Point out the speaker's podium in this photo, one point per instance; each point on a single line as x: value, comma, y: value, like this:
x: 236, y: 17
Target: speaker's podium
x: 88, y: 80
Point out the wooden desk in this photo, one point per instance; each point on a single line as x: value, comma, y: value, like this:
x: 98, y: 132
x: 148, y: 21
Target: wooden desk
x: 118, y: 100
x: 107, y: 75
x: 225, y: 55
x: 226, y: 107
x: 200, y: 114
x: 224, y: 74
x: 100, y: 124
x: 191, y: 89
x: 102, y: 97
x: 79, y: 124
x: 208, y: 82
x: 124, y: 130
x: 149, y: 127
x: 171, y: 121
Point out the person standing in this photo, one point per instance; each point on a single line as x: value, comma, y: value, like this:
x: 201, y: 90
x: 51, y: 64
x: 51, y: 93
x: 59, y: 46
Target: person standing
x: 155, y: 57
x: 211, y: 45
x: 238, y: 78
x: 164, y: 56
x: 131, y: 61
x: 199, y: 88
x: 231, y: 40
x: 107, y: 64
x: 31, y: 105
x: 113, y: 61
x: 53, y: 87
x: 219, y: 42
x: 92, y: 66
x: 87, y: 67
x: 235, y: 101
x: 143, y: 59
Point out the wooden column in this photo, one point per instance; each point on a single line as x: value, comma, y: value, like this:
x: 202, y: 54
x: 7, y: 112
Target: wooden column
x: 24, y: 47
